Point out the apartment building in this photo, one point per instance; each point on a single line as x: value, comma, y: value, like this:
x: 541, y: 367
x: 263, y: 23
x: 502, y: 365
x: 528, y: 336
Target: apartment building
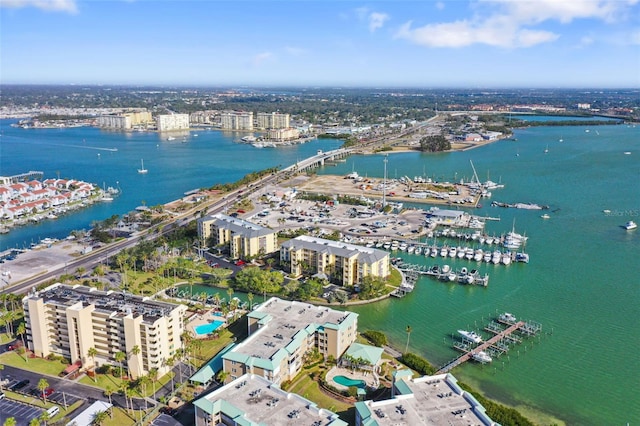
x: 273, y: 120
x: 236, y: 120
x: 245, y: 239
x: 347, y: 262
x: 68, y: 320
x: 125, y: 121
x: 426, y: 400
x: 252, y: 400
x: 170, y: 122
x: 282, y: 135
x: 282, y: 332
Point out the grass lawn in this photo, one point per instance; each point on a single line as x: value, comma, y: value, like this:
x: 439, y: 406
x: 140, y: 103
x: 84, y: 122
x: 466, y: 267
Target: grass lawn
x: 395, y: 279
x: 211, y: 347
x: 38, y: 365
x: 6, y: 338
x: 122, y: 417
x: 107, y: 380
x: 310, y: 389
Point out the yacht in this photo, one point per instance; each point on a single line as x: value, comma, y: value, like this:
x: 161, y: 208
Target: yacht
x: 418, y: 251
x: 630, y: 225
x: 522, y: 257
x: 477, y: 255
x: 496, y: 257
x: 506, y: 258
x: 486, y: 257
x: 507, y: 317
x: 545, y: 216
x: 468, y: 253
x: 452, y: 252
x: 142, y: 170
x: 471, y: 335
x: 481, y: 357
x: 443, y: 251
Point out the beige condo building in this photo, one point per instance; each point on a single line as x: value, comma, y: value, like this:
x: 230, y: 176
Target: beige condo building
x: 236, y: 120
x: 170, y: 122
x: 68, y: 320
x: 348, y: 263
x: 282, y: 332
x: 245, y: 239
x: 125, y: 121
x: 273, y: 120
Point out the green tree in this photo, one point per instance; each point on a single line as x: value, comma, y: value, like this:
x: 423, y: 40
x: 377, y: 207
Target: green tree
x: 92, y: 352
x: 135, y: 351
x: 170, y: 363
x: 120, y: 357
x: 408, y: 330
x: 255, y: 280
x: 108, y: 391
x: 222, y: 376
x: 250, y: 299
x: 34, y: 422
x: 99, y: 418
x: 43, y: 384
x: 435, y: 143
x: 20, y: 331
x: 45, y: 417
x: 11, y: 421
x: 153, y: 376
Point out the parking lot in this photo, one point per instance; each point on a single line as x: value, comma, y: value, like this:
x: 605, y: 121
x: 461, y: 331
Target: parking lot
x: 23, y: 413
x: 165, y: 420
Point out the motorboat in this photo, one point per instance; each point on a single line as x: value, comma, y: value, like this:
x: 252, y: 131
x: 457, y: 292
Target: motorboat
x: 506, y: 258
x: 468, y: 253
x: 630, y: 225
x: 477, y: 256
x: 443, y: 252
x: 445, y: 269
x: 507, y: 317
x: 452, y: 252
x: 545, y: 216
x: 470, y: 335
x: 496, y: 257
x: 522, y: 257
x: 481, y: 357
x: 461, y: 253
x: 486, y: 257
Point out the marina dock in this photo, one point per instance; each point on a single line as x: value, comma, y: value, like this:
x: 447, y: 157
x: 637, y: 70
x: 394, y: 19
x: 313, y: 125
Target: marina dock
x: 444, y: 273
x: 499, y: 344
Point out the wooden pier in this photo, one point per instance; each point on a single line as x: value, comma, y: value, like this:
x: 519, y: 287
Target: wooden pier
x: 495, y: 343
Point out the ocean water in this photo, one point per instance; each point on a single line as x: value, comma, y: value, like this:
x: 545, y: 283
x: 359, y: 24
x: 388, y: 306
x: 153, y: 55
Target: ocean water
x: 582, y: 283
x: 174, y: 167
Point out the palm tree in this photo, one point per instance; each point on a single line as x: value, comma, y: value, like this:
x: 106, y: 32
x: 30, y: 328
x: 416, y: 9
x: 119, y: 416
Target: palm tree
x: 153, y: 375
x: 120, y: 357
x: 99, y: 417
x: 34, y: 422
x: 92, y: 352
x: 11, y: 421
x: 143, y: 381
x: 1, y: 368
x: 44, y: 417
x: 123, y: 388
x: 135, y: 351
x: 408, y: 330
x: 128, y: 393
x: 108, y: 391
x: 22, y: 329
x: 250, y: 299
x: 170, y: 362
x: 42, y: 385
x: 222, y: 376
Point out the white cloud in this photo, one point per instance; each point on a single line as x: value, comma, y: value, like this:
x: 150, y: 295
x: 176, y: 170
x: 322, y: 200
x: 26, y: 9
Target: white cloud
x: 511, y: 23
x: 53, y: 5
x: 260, y: 58
x: 377, y: 20
x: 295, y: 51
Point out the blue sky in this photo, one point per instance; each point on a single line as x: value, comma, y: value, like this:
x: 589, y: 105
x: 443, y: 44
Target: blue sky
x: 419, y: 43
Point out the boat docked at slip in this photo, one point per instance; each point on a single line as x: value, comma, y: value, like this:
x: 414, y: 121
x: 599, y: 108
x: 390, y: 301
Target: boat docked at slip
x: 507, y: 317
x: 630, y: 225
x: 471, y: 336
x: 481, y: 357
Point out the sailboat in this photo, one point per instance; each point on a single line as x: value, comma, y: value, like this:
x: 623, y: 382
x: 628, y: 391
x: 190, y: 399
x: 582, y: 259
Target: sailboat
x: 546, y: 149
x: 142, y: 170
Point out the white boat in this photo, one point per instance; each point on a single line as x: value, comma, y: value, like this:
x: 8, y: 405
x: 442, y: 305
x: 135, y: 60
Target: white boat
x: 477, y: 256
x: 496, y: 257
x: 418, y: 250
x: 142, y: 170
x: 461, y: 253
x: 630, y: 225
x: 546, y: 150
x: 486, y: 257
x: 257, y: 145
x: 506, y: 258
x: 411, y: 249
x: 445, y: 269
x: 171, y: 138
x: 481, y: 357
x: 545, y: 216
x: 249, y: 139
x: 470, y: 335
x: 468, y: 253
x: 443, y: 252
x: 522, y: 257
x: 507, y: 317
x: 452, y: 252
x: 434, y: 251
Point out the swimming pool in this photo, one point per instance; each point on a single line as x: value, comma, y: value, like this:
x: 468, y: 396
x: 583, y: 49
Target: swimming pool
x: 345, y: 381
x: 208, y: 328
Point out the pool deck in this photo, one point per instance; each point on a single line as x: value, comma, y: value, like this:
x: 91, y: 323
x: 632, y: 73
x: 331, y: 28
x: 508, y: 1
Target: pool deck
x: 202, y: 319
x: 367, y: 376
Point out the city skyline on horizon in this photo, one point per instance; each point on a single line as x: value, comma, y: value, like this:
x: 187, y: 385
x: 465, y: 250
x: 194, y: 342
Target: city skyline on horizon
x: 376, y: 44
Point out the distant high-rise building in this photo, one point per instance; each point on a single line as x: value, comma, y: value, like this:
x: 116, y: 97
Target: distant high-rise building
x: 273, y: 120
x: 237, y: 120
x: 125, y: 121
x: 172, y: 122
x: 283, y: 134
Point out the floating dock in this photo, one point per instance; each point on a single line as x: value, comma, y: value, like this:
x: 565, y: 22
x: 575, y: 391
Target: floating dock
x: 462, y: 276
x: 499, y: 344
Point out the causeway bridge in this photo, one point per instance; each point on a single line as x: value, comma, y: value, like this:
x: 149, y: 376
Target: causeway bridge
x: 319, y: 159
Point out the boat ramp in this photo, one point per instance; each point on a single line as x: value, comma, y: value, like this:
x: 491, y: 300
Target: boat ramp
x: 506, y: 332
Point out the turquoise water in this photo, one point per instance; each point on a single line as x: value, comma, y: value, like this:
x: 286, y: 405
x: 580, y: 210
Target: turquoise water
x: 581, y: 284
x: 208, y: 328
x: 345, y: 381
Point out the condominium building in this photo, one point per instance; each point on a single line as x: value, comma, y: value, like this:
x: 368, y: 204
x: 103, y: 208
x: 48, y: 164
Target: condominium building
x: 346, y: 262
x: 427, y: 400
x: 125, y: 121
x: 252, y: 400
x: 170, y: 122
x: 245, y: 239
x: 68, y: 320
x: 273, y: 120
x: 282, y: 135
x: 282, y: 332
x: 236, y: 120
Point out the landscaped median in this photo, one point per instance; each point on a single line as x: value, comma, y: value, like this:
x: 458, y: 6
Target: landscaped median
x: 37, y: 402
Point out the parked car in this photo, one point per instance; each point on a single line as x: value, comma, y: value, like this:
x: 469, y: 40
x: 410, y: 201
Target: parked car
x: 20, y: 384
